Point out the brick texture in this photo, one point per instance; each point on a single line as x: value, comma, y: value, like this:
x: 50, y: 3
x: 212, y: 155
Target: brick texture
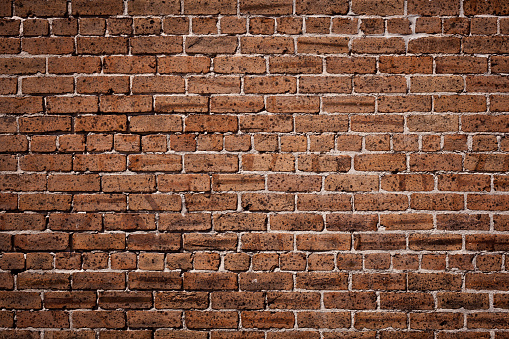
x: 258, y: 169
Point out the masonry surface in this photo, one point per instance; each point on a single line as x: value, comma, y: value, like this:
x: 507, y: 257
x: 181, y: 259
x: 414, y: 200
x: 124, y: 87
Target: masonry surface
x: 255, y: 169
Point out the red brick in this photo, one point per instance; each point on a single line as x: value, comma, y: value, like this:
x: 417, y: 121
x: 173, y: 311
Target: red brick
x: 266, y: 319
x: 53, y: 281
x: 297, y: 222
x: 210, y: 242
x: 98, y: 319
x: 98, y: 241
x: 322, y: 45
x: 327, y: 202
x: 236, y: 104
x: 350, y: 300
x: 266, y: 45
x: 21, y: 65
x: 488, y: 320
x: 212, y: 319
x: 153, y: 7
x: 485, y: 44
x: 384, y: 8
x: 239, y: 64
x: 321, y: 7
x: 323, y: 242
x: 183, y: 64
x: 154, y: 319
x: 378, y: 45
x: 210, y: 45
x: 20, y: 300
x: 210, y: 281
x: 11, y: 46
x: 322, y: 281
x: 409, y: 103
x: 102, y: 45
x: 155, y: 202
x: 435, y: 162
x: 267, y: 241
x: 51, y: 319
x: 360, y: 65
x: 211, y: 123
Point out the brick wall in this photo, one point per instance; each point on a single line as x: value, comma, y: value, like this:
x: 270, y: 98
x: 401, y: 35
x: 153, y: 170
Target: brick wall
x: 222, y: 169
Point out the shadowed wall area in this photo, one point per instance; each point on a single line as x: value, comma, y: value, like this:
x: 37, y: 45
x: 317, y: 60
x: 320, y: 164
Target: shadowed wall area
x: 254, y: 169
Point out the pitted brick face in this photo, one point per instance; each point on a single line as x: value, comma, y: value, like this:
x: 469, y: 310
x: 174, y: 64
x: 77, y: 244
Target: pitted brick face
x: 259, y: 169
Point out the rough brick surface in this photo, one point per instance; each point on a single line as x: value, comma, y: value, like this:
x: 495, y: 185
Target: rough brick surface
x: 258, y: 169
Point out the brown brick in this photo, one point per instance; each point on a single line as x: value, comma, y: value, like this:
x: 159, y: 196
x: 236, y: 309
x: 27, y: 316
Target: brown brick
x: 442, y: 320
x: 406, y: 221
x: 70, y: 182
x: 287, y: 104
x: 183, y: 64
x: 323, y: 242
x: 265, y: 7
x: 424, y: 84
x: 266, y: 319
x: 321, y: 7
x: 449, y: 7
x: 211, y: 45
x: 21, y: 65
x: 98, y: 319
x: 210, y: 281
x: 270, y: 84
x: 384, y: 8
x: 185, y: 300
x: 321, y: 281
x: 434, y: 281
x: 237, y: 300
x: 239, y: 64
x: 155, y: 202
x: 154, y: 280
x: 20, y: 300
x: 69, y: 300
x: 210, y: 241
x: 406, y: 301
x: 211, y: 319
x: 409, y: 103
x: 48, y: 319
x: 236, y: 104
x: 351, y: 183
x: 267, y: 241
x: 115, y: 299
x: 375, y: 241
x: 266, y: 45
x: 233, y: 25
x: 380, y: 84
x: 350, y: 300
x: 53, y: 281
x: 360, y: 65
x: 437, y: 201
x: 211, y: 123
x: 154, y: 319
x: 155, y: 162
x: 455, y: 300
x: 98, y: 241
x: 461, y: 64
x: 435, y: 162
x: 153, y: 7
x: 322, y: 45
x: 378, y: 46
x: 100, y: 202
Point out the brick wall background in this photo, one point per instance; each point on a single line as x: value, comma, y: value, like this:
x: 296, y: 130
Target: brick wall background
x: 218, y: 169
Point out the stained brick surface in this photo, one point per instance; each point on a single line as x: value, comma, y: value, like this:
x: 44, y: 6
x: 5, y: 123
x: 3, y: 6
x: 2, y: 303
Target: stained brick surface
x: 221, y: 169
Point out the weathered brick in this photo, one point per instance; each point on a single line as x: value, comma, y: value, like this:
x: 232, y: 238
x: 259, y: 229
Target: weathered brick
x: 155, y: 162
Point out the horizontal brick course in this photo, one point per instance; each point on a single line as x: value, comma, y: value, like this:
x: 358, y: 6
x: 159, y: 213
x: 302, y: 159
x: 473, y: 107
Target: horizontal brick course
x: 220, y: 169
